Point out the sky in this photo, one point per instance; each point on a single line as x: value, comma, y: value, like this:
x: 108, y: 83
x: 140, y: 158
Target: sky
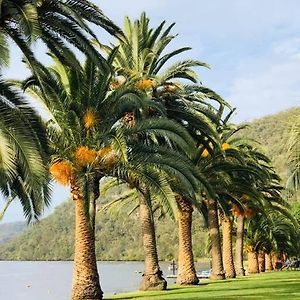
x: 252, y: 47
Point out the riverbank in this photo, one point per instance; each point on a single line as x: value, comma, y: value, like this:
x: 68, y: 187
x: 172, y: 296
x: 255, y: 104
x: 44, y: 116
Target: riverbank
x: 274, y: 285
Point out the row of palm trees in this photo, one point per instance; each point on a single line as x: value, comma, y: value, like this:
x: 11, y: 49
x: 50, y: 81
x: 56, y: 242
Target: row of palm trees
x: 131, y: 115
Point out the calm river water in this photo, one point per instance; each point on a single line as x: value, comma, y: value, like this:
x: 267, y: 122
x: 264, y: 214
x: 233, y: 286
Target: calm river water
x: 52, y: 280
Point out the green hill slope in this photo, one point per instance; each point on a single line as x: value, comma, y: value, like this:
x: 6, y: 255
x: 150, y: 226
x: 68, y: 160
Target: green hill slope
x: 272, y: 133
x: 119, y: 237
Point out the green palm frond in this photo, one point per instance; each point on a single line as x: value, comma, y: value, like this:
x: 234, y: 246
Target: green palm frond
x: 23, y: 153
x: 166, y: 129
x: 4, y: 50
x: 182, y: 70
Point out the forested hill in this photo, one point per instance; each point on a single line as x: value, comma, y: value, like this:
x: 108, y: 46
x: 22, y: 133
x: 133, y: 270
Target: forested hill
x: 272, y: 133
x: 119, y: 237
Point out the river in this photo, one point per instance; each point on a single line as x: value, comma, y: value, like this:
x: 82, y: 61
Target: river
x: 28, y: 280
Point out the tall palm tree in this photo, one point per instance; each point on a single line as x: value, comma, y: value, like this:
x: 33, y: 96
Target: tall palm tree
x: 140, y: 61
x: 81, y: 151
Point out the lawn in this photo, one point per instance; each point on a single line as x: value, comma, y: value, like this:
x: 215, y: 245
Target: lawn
x: 275, y: 285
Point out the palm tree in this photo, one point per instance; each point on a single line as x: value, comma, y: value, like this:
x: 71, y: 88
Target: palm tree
x: 23, y: 153
x: 81, y: 152
x: 139, y: 60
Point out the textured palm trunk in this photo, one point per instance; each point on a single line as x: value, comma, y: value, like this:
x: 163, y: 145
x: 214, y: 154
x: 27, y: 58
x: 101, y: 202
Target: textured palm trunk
x: 275, y: 258
x: 239, y: 246
x: 186, y: 267
x: 268, y: 261
x: 86, y: 283
x: 227, y: 246
x: 152, y: 277
x: 261, y: 261
x: 214, y: 233
x: 252, y: 262
x: 94, y: 192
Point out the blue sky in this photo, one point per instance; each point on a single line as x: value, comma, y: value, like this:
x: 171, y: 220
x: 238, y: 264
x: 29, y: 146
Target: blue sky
x: 253, y: 48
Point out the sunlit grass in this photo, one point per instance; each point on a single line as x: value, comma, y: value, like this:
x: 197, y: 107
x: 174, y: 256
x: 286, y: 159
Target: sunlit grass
x: 275, y: 285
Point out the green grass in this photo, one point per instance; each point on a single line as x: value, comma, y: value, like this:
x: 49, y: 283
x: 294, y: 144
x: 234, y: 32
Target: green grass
x: 275, y: 285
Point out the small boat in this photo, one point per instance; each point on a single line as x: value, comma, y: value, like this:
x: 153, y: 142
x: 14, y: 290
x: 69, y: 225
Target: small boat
x: 204, y: 274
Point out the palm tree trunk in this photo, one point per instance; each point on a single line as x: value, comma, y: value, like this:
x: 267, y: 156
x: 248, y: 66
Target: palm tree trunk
x: 186, y: 267
x: 261, y: 261
x: 239, y: 246
x: 269, y: 264
x: 152, y: 277
x: 252, y: 262
x: 94, y: 192
x: 214, y: 233
x: 227, y: 246
x: 86, y: 283
x: 275, y: 258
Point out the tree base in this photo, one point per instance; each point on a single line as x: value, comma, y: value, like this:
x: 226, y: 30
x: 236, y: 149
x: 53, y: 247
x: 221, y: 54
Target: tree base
x: 240, y: 272
x: 80, y: 292
x: 153, y: 282
x: 191, y: 279
x: 217, y: 276
x: 230, y: 276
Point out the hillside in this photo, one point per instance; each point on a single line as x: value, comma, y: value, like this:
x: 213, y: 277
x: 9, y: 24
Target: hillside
x: 119, y: 237
x: 272, y: 133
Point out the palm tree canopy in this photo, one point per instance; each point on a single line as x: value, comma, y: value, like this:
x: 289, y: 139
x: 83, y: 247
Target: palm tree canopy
x: 87, y: 119
x: 58, y: 24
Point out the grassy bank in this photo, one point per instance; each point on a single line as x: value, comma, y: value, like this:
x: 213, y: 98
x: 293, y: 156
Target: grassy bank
x: 275, y: 285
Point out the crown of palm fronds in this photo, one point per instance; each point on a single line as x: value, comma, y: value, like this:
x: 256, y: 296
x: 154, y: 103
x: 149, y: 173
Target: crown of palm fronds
x: 56, y: 23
